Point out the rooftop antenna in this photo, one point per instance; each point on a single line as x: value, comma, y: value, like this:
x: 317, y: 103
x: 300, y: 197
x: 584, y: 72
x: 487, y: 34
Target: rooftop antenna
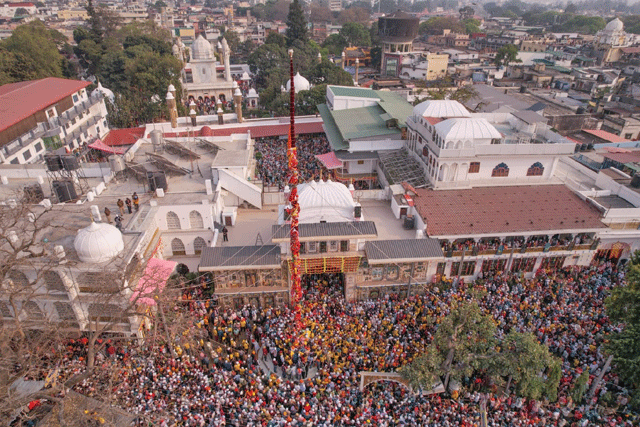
x: 294, y: 241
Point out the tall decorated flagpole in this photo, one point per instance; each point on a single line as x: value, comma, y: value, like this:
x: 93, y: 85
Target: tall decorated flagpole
x: 292, y: 157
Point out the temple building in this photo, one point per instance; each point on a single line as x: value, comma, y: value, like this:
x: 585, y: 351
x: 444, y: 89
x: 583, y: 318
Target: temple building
x: 610, y: 41
x: 203, y: 76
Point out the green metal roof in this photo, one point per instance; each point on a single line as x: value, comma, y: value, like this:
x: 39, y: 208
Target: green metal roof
x: 584, y: 58
x: 354, y: 91
x: 396, y: 106
x: 334, y: 136
x: 560, y: 68
x: 364, y: 122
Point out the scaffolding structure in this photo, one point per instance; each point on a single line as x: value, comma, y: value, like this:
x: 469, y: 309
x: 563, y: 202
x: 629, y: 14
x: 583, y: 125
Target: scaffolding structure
x: 400, y: 167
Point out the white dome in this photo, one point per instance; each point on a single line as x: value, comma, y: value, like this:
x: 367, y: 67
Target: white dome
x: 245, y: 76
x: 104, y: 91
x: 300, y: 83
x: 201, y: 49
x: 325, y: 201
x: 252, y: 93
x: 615, y: 25
x: 99, y: 242
x: 467, y: 129
x: 440, y: 108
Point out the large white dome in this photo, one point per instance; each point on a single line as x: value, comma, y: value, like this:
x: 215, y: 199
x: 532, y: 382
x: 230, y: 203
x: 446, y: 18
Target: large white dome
x: 99, y: 242
x: 325, y: 201
x: 615, y: 25
x: 299, y: 82
x: 201, y: 49
x: 440, y: 108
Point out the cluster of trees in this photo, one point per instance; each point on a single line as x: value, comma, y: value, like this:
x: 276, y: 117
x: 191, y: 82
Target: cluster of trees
x: 351, y: 34
x: 270, y: 64
x: 135, y: 61
x: 34, y: 52
x: 631, y: 23
x: 436, y: 24
x: 465, y: 344
x: 624, y: 306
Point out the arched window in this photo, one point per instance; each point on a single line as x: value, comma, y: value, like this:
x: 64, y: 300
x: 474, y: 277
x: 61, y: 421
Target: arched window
x: 32, y: 310
x: 53, y: 282
x: 5, y: 311
x: 18, y: 278
x: 536, y: 169
x: 198, y: 245
x: 195, y: 220
x: 177, y: 247
x: 501, y: 170
x: 425, y: 151
x: 65, y: 312
x: 173, y: 222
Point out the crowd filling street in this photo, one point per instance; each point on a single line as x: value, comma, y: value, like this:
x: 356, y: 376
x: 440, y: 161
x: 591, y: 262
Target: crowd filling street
x: 255, y: 367
x: 271, y: 156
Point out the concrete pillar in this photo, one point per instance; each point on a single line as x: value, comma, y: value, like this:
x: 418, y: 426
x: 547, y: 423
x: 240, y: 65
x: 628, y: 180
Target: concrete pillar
x: 237, y: 100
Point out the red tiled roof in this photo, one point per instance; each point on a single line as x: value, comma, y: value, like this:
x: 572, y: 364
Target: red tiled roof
x: 20, y: 100
x: 516, y: 209
x: 629, y: 157
x: 260, y: 131
x: 128, y: 136
x: 23, y: 4
x: 433, y: 120
x: 603, y: 134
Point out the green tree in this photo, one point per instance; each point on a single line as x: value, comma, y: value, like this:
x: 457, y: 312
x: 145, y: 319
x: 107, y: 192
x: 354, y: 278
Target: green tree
x: 465, y: 344
x: 623, y: 305
x: 522, y: 360
x: 571, y: 8
x: 466, y: 12
x: 437, y: 24
x: 580, y: 387
x: 506, y: 55
x: 21, y: 11
x: 296, y: 24
x: 460, y: 345
x: 471, y: 26
x: 631, y: 24
x: 32, y: 52
x: 355, y: 34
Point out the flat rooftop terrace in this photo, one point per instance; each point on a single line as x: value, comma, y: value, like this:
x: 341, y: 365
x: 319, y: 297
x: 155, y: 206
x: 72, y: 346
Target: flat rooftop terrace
x: 250, y: 222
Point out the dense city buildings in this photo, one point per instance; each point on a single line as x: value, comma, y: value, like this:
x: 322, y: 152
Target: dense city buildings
x: 463, y: 171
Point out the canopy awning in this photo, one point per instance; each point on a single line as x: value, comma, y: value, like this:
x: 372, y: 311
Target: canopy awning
x: 153, y: 280
x: 99, y: 145
x: 329, y: 160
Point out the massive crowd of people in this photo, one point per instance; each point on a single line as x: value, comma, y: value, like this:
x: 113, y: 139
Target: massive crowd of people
x: 271, y: 156
x: 316, y: 378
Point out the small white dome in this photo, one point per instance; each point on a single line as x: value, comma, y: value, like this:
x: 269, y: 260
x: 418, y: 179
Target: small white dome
x: 325, y: 201
x: 104, y: 91
x: 201, y: 49
x: 440, y: 108
x: 252, y: 93
x: 99, y: 242
x: 300, y: 83
x: 614, y: 25
x: 245, y: 76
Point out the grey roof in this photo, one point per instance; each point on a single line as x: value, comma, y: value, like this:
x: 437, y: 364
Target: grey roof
x: 328, y: 229
x: 358, y: 155
x: 408, y: 249
x: 240, y: 256
x: 495, y: 97
x: 538, y: 106
x: 530, y: 117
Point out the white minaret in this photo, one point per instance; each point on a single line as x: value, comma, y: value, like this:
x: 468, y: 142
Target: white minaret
x: 227, y: 67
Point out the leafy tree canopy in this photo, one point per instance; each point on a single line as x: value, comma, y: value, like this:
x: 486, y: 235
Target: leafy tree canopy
x: 623, y: 305
x: 437, y: 24
x: 506, y: 54
x: 296, y: 24
x: 32, y: 52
